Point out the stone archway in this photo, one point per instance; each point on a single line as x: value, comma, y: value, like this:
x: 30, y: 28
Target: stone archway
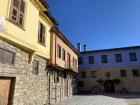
x: 109, y: 86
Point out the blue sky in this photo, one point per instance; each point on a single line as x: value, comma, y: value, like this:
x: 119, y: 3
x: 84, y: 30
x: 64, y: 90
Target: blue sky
x: 100, y: 24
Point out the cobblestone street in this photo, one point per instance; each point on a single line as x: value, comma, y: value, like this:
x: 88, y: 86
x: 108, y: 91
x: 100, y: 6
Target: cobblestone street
x: 102, y: 100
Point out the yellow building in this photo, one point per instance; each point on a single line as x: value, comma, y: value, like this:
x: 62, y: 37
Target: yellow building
x: 24, y: 51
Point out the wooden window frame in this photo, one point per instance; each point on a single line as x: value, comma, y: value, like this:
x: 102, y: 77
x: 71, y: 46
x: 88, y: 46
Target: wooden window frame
x: 19, y: 13
x: 104, y: 59
x: 133, y: 56
x: 118, y: 57
x: 59, y: 51
x: 93, y: 74
x: 42, y: 34
x: 91, y: 59
x: 63, y: 54
x: 123, y: 75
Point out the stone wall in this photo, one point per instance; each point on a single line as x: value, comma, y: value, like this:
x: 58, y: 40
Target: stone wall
x: 29, y: 89
x: 129, y: 82
x: 57, y: 89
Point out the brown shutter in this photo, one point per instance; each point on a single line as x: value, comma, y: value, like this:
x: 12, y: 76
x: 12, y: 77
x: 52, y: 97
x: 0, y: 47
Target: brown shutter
x: 43, y: 34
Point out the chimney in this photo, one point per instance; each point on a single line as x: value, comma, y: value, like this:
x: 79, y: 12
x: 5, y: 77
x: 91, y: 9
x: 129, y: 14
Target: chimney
x: 79, y: 47
x: 85, y: 47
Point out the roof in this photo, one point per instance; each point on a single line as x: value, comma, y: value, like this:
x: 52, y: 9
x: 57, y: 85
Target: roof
x: 49, y: 15
x: 113, y: 49
x: 63, y: 37
x: 44, y: 3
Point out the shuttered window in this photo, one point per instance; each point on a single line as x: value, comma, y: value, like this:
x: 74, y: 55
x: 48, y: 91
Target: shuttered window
x: 41, y: 34
x: 17, y: 12
x: 6, y: 57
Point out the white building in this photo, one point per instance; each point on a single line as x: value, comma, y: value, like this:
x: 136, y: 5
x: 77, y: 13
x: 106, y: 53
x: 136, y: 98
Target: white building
x: 110, y: 70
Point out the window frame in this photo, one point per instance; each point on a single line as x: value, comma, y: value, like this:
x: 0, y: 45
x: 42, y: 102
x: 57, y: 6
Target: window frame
x: 104, y: 58
x: 123, y: 74
x: 42, y: 34
x: 91, y: 59
x: 93, y: 74
x: 59, y: 48
x: 19, y: 13
x: 133, y: 56
x: 4, y: 51
x: 63, y: 54
x: 118, y: 57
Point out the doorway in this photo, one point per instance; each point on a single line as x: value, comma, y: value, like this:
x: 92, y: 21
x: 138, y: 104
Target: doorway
x: 109, y: 86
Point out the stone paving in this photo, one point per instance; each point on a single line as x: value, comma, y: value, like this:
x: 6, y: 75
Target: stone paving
x: 102, y: 100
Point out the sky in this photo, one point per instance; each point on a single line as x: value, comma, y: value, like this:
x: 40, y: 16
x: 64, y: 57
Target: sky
x: 100, y: 24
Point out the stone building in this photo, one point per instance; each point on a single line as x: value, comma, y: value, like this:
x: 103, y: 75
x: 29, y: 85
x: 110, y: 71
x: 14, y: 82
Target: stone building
x: 24, y: 51
x: 110, y: 70
x: 63, y: 67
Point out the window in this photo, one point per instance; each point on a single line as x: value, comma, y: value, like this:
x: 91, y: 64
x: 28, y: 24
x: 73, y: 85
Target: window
x: 93, y: 74
x: 63, y: 55
x: 91, y: 59
x: 41, y: 34
x: 80, y: 83
x: 58, y: 51
x: 56, y: 77
x: 35, y: 67
x: 80, y: 60
x: 65, y: 75
x: 108, y: 74
x: 73, y: 60
x: 17, y: 12
x: 69, y: 60
x: 132, y: 56
x: 118, y: 57
x: 123, y: 73
x: 104, y: 59
x: 136, y: 73
x: 83, y: 74
x: 6, y: 56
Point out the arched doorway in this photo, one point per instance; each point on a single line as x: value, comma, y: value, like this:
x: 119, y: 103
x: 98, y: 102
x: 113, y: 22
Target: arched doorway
x: 109, y: 86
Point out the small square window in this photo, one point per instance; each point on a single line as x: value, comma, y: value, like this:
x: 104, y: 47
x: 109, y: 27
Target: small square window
x: 104, y: 59
x: 91, y: 59
x: 132, y: 56
x: 93, y: 74
x: 83, y: 74
x: 123, y: 73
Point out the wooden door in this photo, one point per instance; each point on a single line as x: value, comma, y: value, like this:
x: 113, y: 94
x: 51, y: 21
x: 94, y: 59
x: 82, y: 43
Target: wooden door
x: 65, y: 88
x: 5, y: 84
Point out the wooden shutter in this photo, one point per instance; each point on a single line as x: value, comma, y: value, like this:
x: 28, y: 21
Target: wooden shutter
x: 39, y: 32
x: 14, y: 12
x: 21, y: 13
x: 43, y: 34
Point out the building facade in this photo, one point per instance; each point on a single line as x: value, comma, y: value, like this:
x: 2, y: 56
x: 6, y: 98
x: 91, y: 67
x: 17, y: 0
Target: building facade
x: 24, y: 51
x: 110, y: 70
x: 63, y: 67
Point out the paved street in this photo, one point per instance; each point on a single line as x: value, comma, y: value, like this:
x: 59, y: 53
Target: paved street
x: 103, y: 100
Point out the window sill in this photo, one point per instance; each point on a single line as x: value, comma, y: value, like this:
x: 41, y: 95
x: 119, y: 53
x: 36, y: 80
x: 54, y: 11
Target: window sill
x: 21, y: 27
x: 43, y: 44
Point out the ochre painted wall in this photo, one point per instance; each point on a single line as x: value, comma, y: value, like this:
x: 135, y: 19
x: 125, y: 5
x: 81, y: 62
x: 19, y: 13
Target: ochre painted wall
x: 28, y: 36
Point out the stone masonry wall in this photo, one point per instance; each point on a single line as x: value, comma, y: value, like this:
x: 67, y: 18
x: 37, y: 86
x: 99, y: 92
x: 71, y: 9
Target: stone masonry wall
x: 29, y: 89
